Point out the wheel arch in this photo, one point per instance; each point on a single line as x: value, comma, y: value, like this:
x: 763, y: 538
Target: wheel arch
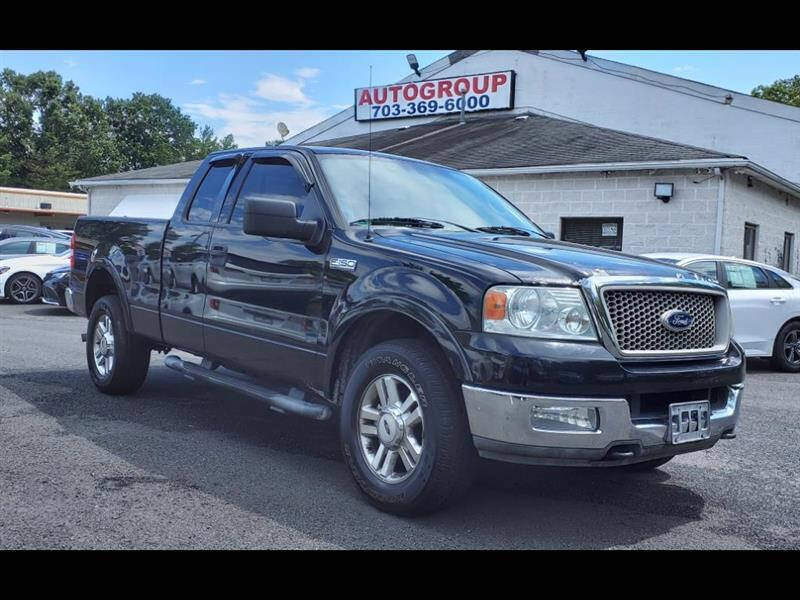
x: 102, y: 279
x: 378, y: 323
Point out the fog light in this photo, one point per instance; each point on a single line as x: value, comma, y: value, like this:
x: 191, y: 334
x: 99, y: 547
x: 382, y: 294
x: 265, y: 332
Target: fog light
x: 564, y: 418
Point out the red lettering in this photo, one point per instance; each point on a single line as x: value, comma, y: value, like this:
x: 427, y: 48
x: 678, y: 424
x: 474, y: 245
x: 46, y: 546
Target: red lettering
x: 498, y: 80
x: 394, y: 89
x: 427, y: 91
x: 476, y: 88
x: 461, y: 86
x: 411, y: 87
x: 365, y: 98
x: 445, y: 88
x: 378, y: 97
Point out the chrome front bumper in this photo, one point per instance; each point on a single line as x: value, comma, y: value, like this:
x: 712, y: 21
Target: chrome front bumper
x: 501, y: 428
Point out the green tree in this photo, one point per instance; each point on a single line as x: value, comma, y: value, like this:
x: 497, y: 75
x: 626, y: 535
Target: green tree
x: 786, y: 91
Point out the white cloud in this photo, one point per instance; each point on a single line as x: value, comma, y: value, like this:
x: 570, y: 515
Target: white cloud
x: 251, y: 121
x: 197, y: 82
x: 281, y: 89
x: 307, y: 72
x: 70, y: 63
x: 684, y: 69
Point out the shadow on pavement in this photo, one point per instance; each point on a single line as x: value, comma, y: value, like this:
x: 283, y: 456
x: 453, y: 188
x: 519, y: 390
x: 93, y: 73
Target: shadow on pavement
x: 289, y: 470
x: 50, y: 311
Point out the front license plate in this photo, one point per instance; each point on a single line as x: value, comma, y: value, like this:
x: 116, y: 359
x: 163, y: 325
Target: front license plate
x: 689, y: 422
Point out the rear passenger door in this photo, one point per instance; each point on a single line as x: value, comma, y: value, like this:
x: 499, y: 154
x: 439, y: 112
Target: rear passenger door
x: 264, y: 303
x: 185, y: 258
x: 758, y: 307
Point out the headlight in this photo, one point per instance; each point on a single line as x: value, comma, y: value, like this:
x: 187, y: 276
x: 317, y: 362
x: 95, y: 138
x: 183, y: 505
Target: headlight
x: 549, y: 312
x: 4, y: 270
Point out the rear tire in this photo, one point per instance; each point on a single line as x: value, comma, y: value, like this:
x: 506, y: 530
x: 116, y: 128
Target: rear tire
x: 118, y: 359
x: 786, y: 351
x: 428, y: 459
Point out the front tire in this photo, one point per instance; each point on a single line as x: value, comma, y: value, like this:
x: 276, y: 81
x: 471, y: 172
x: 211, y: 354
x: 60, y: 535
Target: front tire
x: 786, y: 351
x: 404, y: 430
x: 118, y: 359
x: 24, y: 288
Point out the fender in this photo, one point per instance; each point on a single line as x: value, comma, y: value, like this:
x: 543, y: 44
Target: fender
x: 104, y: 264
x: 434, y: 305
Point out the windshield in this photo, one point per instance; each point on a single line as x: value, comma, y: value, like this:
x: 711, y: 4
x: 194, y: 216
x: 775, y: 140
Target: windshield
x: 408, y: 189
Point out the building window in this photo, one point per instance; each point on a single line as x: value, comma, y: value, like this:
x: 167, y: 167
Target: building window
x: 750, y: 241
x: 788, y: 251
x: 603, y: 232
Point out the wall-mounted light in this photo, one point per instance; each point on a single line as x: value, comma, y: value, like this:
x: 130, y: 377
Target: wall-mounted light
x: 663, y: 191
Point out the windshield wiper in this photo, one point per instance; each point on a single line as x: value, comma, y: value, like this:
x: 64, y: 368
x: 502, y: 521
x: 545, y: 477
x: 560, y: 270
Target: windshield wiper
x: 401, y: 221
x: 504, y: 229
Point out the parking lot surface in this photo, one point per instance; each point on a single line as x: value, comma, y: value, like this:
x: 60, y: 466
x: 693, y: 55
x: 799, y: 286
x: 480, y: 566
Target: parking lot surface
x: 185, y: 465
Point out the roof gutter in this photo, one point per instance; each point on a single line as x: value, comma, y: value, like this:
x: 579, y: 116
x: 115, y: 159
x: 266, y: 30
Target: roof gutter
x: 744, y: 164
x: 88, y: 183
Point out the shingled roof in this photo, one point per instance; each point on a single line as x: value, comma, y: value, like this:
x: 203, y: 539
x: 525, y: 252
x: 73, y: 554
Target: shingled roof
x: 182, y: 170
x: 519, y: 140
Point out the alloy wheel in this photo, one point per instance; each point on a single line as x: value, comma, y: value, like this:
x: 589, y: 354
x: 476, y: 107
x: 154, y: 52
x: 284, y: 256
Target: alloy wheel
x: 103, y: 345
x: 24, y: 288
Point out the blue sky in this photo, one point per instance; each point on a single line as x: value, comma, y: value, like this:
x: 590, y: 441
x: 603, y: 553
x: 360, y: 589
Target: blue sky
x: 247, y: 92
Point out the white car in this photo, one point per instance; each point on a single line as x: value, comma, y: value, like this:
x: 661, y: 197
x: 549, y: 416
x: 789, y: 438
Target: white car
x: 21, y: 278
x: 764, y: 300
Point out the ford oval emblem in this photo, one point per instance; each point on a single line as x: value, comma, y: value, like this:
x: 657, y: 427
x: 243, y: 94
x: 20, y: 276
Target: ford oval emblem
x: 677, y: 320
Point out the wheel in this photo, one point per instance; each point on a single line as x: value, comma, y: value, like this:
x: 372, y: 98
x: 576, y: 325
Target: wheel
x: 404, y: 430
x: 24, y: 288
x: 118, y: 359
x: 648, y: 465
x: 786, y: 351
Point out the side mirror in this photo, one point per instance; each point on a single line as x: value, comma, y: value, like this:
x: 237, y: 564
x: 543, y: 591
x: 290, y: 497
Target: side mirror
x: 550, y: 234
x: 278, y: 218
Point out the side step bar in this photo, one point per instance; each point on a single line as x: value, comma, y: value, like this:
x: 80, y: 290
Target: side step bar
x: 281, y: 402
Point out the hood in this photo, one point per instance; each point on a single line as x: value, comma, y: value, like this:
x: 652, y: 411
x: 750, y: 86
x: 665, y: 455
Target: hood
x: 532, y: 260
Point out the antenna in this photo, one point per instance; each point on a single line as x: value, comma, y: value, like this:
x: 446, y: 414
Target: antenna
x: 463, y: 107
x: 369, y: 169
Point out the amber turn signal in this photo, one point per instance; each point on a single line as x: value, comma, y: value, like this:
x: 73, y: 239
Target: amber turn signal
x: 494, y: 306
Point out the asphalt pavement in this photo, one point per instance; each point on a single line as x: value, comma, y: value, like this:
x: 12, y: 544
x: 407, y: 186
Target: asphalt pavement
x: 186, y: 465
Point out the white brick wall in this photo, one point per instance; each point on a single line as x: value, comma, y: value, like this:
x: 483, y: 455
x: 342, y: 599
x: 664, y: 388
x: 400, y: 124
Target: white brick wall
x: 773, y: 211
x: 684, y: 224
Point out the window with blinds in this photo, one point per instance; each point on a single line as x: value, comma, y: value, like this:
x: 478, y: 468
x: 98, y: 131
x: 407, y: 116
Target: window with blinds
x: 601, y: 232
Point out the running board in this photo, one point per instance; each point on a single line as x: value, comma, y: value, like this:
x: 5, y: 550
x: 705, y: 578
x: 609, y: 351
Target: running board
x: 276, y: 400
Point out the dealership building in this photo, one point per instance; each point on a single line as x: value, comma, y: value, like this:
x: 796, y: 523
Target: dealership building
x: 41, y: 208
x: 595, y: 151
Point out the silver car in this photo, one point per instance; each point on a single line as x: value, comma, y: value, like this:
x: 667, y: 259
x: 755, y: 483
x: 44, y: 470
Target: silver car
x: 25, y: 246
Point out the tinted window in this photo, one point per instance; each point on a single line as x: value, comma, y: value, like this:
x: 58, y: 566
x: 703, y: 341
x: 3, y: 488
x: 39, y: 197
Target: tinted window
x: 745, y: 277
x: 277, y: 179
x: 778, y: 281
x: 705, y: 267
x: 208, y: 197
x: 15, y: 248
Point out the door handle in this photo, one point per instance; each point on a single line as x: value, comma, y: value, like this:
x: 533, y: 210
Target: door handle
x: 777, y: 300
x: 218, y: 255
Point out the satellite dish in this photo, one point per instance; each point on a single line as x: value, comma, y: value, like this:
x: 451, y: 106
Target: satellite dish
x: 283, y: 129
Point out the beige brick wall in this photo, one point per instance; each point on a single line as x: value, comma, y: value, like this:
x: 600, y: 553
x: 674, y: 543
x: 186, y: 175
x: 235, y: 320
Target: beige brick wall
x: 773, y: 211
x: 685, y: 224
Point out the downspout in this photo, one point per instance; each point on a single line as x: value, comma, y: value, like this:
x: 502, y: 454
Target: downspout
x: 720, y: 210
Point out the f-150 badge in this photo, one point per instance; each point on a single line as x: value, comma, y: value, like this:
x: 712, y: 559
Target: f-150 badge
x: 343, y: 264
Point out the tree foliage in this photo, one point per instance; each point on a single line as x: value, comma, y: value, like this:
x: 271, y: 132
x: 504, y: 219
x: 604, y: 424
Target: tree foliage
x: 786, y: 91
x: 51, y: 134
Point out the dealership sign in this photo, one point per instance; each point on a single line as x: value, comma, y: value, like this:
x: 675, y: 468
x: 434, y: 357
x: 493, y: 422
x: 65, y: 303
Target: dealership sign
x: 487, y: 91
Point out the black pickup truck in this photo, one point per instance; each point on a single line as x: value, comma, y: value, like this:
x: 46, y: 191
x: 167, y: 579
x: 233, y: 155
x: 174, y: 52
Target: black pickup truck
x: 420, y: 309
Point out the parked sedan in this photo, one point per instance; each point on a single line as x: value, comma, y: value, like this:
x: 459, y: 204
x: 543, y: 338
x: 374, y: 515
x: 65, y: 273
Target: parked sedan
x: 21, y: 278
x: 22, y: 246
x: 10, y: 231
x: 764, y: 300
x: 55, y: 284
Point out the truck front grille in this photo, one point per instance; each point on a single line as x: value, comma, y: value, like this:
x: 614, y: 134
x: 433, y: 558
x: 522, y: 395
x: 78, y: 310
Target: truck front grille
x: 635, y: 317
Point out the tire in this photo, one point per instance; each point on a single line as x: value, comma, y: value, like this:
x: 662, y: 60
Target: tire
x: 783, y: 358
x: 124, y: 370
x: 445, y: 466
x: 648, y: 465
x: 24, y: 288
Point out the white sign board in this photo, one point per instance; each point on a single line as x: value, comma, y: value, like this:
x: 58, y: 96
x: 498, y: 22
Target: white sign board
x: 487, y: 91
x: 609, y: 230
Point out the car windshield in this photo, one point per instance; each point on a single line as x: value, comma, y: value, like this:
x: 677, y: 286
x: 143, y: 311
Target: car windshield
x: 410, y: 193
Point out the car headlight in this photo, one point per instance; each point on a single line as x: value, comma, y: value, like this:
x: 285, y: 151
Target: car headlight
x: 4, y: 270
x: 548, y: 312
